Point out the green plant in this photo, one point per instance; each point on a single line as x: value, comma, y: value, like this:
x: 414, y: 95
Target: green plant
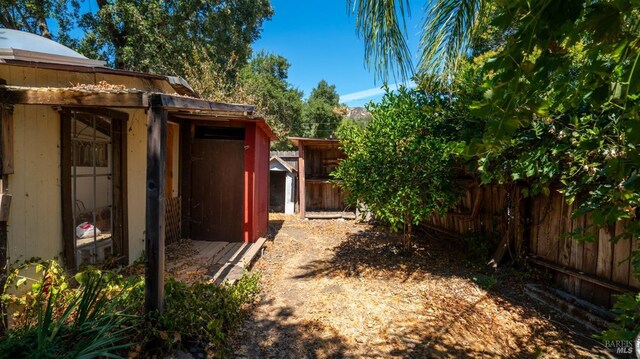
x: 57, y: 321
x: 203, y: 313
x: 400, y: 165
x: 485, y: 281
x: 627, y: 324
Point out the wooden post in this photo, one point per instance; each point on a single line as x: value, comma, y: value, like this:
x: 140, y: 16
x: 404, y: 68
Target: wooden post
x: 7, y: 139
x: 6, y: 167
x: 301, y: 174
x: 154, y: 238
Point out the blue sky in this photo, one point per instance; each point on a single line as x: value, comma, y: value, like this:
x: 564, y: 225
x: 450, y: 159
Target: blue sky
x: 319, y: 40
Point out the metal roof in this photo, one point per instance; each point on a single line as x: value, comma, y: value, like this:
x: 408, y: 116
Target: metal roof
x: 20, y: 45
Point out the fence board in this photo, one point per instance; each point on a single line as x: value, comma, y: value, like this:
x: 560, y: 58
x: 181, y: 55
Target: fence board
x: 575, y: 260
x: 633, y: 280
x: 604, y: 263
x: 564, y: 242
x: 589, y: 263
x: 620, y: 263
x: 541, y: 225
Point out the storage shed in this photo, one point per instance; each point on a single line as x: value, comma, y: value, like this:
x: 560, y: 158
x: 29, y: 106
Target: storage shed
x: 282, y: 186
x: 134, y: 158
x: 318, y: 196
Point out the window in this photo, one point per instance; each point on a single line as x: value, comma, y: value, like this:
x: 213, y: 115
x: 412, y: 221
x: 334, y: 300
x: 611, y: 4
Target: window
x: 93, y: 202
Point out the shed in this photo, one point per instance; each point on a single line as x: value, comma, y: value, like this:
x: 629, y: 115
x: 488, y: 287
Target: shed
x: 319, y: 197
x: 282, y: 186
x: 137, y: 158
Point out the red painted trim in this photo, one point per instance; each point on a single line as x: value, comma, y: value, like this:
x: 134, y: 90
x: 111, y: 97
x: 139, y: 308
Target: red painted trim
x: 249, y: 181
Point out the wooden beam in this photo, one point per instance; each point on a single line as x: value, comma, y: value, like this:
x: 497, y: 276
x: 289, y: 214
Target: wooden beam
x: 170, y: 102
x: 5, y: 203
x: 301, y: 184
x: 68, y: 232
x: 155, y: 233
x: 7, y: 138
x: 185, y: 176
x: 581, y: 275
x: 73, y: 97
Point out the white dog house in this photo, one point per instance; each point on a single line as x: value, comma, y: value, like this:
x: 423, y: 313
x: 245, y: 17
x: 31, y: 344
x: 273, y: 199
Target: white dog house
x: 282, y: 186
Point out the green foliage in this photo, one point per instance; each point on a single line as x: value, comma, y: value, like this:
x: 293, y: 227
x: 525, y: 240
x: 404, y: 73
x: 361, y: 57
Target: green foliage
x: 485, y: 281
x: 381, y: 24
x: 57, y: 321
x: 400, y: 164
x: 321, y: 116
x: 151, y: 36
x: 204, y: 313
x: 627, y: 324
x: 100, y: 314
x: 264, y: 81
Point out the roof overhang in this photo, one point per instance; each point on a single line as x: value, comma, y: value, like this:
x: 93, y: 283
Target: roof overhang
x: 178, y: 106
x: 32, y: 56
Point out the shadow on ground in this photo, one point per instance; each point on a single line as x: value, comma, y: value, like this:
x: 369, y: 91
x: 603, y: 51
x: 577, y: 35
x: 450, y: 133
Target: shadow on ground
x: 274, y: 228
x: 470, y: 310
x: 282, y: 337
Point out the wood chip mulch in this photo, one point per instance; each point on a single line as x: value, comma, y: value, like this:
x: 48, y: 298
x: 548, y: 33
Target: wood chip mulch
x: 335, y: 288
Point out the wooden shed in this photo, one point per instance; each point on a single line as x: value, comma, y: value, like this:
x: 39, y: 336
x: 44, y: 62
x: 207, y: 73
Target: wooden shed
x: 282, y: 186
x: 319, y: 197
x: 135, y: 158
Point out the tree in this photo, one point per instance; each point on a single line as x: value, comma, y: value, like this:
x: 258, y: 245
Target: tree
x: 400, y: 164
x: 151, y: 36
x: 32, y: 16
x: 321, y: 115
x: 264, y: 82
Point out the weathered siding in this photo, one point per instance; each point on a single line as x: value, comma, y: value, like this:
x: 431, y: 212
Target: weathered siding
x: 35, y: 221
x: 136, y: 180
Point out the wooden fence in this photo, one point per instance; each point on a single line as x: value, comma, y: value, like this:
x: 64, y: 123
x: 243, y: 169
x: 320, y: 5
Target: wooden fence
x: 535, y: 229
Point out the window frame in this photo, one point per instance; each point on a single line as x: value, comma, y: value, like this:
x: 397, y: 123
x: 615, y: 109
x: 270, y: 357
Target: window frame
x: 118, y: 154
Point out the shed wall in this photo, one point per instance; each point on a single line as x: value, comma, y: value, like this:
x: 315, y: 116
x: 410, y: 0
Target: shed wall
x: 261, y: 208
x: 136, y: 181
x: 35, y: 221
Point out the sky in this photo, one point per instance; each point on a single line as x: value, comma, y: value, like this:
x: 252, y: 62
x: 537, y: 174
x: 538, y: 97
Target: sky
x: 319, y: 40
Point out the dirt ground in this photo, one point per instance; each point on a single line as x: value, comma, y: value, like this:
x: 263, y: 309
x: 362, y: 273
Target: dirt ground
x: 335, y: 288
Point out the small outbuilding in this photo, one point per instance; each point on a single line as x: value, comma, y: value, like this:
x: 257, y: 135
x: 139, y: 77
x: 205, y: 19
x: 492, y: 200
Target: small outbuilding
x: 99, y: 163
x: 282, y: 185
x: 319, y: 196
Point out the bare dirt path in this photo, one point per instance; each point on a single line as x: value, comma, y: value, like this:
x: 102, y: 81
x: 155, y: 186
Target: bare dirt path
x: 340, y: 289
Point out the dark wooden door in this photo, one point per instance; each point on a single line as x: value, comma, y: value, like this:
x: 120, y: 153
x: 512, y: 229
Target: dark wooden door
x: 217, y: 184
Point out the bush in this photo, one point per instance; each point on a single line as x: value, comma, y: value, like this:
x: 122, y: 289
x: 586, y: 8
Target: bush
x: 100, y: 314
x: 56, y: 321
x: 203, y: 314
x: 627, y: 324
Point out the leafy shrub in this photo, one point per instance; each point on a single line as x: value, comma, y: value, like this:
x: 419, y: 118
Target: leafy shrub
x: 627, y: 324
x: 400, y: 165
x: 100, y: 314
x: 57, y: 321
x: 203, y: 313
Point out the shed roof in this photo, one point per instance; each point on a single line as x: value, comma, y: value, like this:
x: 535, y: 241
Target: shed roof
x: 20, y: 45
x: 284, y: 163
x: 95, y: 96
